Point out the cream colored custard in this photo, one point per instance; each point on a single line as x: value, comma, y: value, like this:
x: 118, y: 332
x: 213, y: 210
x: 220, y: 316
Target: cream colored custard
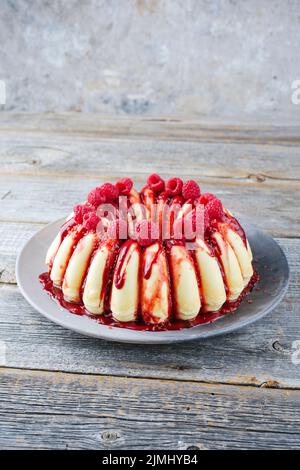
x: 212, y: 285
x: 52, y: 250
x: 77, y: 267
x: 234, y: 278
x: 124, y: 299
x: 61, y: 258
x: 242, y: 254
x: 97, y: 277
x: 185, y: 286
x: 155, y: 277
x: 155, y: 303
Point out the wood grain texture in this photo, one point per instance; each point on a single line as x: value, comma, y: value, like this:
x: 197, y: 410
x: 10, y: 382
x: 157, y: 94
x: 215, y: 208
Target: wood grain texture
x: 236, y: 391
x: 12, y: 238
x: 237, y: 163
x: 48, y: 163
x: 259, y: 355
x: 47, y: 410
x: 158, y: 128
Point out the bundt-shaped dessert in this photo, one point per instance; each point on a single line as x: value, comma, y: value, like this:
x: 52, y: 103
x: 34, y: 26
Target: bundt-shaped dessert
x: 163, y: 256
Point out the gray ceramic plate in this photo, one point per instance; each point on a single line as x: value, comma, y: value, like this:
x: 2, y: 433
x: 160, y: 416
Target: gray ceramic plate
x: 269, y: 261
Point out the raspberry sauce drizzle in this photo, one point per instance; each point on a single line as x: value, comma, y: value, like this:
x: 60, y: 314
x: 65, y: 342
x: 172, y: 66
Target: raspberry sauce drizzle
x: 120, y: 270
x: 66, y: 228
x: 115, y: 271
x: 150, y: 261
x: 139, y: 325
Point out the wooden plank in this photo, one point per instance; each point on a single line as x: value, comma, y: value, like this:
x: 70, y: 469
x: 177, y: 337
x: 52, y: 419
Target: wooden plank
x: 47, y: 164
x: 95, y: 125
x: 41, y: 200
x: 239, y: 163
x: 260, y: 354
x: 65, y: 411
x: 12, y: 238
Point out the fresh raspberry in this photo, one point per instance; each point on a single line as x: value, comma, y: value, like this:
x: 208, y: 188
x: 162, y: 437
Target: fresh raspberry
x: 79, y: 212
x: 124, y: 186
x: 90, y: 221
x: 109, y: 192
x: 174, y: 187
x: 190, y: 190
x: 214, y: 209
x: 177, y: 200
x: 117, y: 230
x: 156, y: 183
x: 206, y: 197
x: 95, y: 197
x: 146, y: 232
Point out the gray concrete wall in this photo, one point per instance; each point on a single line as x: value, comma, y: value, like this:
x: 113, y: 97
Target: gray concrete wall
x: 151, y: 57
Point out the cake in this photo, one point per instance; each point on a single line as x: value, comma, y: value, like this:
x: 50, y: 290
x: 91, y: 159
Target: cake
x: 164, y: 256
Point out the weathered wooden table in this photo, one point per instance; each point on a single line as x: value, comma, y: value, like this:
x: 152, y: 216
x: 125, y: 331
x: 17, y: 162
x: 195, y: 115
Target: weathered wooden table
x: 62, y: 390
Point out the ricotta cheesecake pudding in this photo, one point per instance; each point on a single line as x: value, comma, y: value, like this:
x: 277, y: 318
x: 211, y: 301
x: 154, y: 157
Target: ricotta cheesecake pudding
x: 165, y: 257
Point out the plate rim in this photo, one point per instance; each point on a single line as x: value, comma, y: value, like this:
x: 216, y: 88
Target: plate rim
x: 126, y: 335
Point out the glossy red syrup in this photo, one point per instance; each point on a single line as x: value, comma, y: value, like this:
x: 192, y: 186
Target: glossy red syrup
x: 120, y: 270
x: 156, y: 256
x: 107, y: 319
x: 236, y: 227
x: 67, y: 227
x: 150, y: 261
x: 115, y: 269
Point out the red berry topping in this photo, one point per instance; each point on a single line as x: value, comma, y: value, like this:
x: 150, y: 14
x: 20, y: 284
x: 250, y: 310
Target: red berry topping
x: 177, y: 200
x: 90, y: 221
x: 109, y: 192
x: 79, y: 212
x: 156, y: 183
x: 174, y: 187
x: 190, y: 190
x: 146, y: 232
x: 206, y: 197
x: 95, y: 197
x: 124, y: 186
x: 117, y: 230
x: 214, y: 209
